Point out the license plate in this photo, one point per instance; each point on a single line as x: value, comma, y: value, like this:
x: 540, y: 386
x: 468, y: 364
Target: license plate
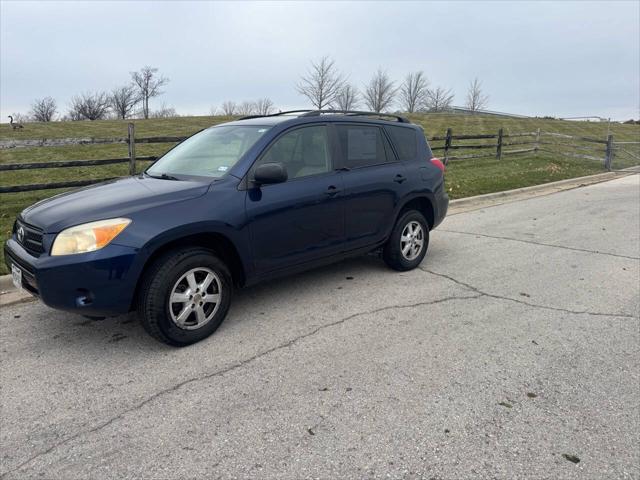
x: 16, y: 276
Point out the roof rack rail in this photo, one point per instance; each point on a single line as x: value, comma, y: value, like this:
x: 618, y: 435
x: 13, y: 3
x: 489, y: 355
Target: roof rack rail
x: 274, y: 114
x: 312, y: 113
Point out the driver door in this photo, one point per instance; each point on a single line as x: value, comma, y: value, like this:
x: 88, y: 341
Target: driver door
x: 302, y: 219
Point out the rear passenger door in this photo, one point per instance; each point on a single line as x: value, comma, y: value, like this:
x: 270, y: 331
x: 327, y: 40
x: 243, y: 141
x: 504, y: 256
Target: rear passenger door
x: 374, y: 181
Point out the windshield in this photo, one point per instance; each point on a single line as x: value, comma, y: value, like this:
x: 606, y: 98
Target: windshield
x: 210, y: 153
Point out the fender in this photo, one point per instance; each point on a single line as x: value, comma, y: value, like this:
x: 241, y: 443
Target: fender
x: 238, y: 237
x: 424, y: 194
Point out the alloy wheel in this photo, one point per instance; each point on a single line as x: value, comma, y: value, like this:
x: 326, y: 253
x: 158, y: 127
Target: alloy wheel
x: 412, y: 240
x: 195, y: 298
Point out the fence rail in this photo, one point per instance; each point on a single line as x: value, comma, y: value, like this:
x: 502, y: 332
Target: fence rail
x: 52, y: 185
x: 590, y: 148
x: 59, y: 142
x: 69, y: 163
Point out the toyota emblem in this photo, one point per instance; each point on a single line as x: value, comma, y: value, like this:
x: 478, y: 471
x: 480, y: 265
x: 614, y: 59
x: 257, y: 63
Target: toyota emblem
x: 20, y: 234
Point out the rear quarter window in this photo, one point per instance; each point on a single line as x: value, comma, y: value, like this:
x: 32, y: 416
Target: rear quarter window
x: 405, y: 140
x: 363, y: 145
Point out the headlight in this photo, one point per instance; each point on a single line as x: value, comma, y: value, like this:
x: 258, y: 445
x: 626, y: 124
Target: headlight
x: 88, y: 237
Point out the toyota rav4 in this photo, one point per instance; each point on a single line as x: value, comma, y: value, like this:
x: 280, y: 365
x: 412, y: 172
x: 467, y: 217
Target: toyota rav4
x: 230, y: 206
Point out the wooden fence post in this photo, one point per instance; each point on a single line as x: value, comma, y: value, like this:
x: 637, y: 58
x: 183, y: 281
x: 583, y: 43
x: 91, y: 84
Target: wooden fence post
x: 499, y: 145
x: 132, y: 149
x: 537, y: 144
x: 447, y: 146
x: 608, y: 159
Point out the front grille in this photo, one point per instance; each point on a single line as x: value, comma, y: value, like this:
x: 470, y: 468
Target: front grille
x: 32, y: 238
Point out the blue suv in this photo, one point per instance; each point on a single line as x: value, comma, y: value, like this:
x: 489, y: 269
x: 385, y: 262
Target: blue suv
x: 233, y: 205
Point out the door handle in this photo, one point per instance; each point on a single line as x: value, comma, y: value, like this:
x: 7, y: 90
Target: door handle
x: 399, y: 178
x: 332, y: 190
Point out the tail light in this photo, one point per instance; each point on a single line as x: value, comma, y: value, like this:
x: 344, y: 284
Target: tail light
x: 438, y: 163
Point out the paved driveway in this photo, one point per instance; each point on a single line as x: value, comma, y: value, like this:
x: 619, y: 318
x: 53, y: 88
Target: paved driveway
x: 513, y: 352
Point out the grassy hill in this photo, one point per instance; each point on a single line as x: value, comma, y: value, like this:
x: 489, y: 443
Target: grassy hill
x: 434, y: 124
x: 464, y: 178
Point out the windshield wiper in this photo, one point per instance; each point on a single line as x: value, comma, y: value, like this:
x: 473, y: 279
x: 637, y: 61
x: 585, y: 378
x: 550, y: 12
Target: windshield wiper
x: 162, y: 176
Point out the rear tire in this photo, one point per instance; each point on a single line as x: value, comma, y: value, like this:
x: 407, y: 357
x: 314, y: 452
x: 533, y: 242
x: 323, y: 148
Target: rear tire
x: 185, y: 296
x: 408, y: 242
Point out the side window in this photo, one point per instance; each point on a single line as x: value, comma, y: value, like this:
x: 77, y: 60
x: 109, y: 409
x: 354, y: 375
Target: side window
x: 362, y: 145
x: 406, y: 142
x: 303, y: 151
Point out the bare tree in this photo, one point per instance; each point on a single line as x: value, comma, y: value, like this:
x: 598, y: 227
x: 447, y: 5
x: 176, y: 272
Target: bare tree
x: 263, y: 106
x: 111, y: 115
x: 322, y: 83
x: 89, y: 106
x: 148, y: 83
x: 229, y: 108
x: 380, y: 93
x: 44, y: 109
x: 72, y: 115
x: 213, y: 111
x: 164, y: 112
x: 123, y: 100
x: 476, y: 99
x: 347, y: 98
x: 246, y: 108
x: 439, y: 99
x: 413, y: 92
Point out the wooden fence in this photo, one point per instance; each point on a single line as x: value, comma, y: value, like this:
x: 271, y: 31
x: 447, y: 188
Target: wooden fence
x: 501, y: 141
x: 499, y: 144
x: 626, y: 153
x: 452, y: 148
x: 131, y: 159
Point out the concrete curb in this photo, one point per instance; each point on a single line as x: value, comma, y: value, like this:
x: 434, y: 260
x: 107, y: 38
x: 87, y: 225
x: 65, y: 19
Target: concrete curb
x: 466, y: 204
x: 570, y: 183
x: 5, y: 283
x: 13, y: 297
x: 9, y: 295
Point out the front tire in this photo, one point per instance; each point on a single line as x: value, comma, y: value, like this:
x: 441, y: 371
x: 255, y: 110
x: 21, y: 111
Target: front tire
x: 408, y: 242
x: 185, y: 296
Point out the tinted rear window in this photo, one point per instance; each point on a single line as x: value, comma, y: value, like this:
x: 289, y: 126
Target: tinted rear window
x: 405, y: 140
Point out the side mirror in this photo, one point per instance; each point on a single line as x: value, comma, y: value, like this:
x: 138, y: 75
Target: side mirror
x: 270, y: 173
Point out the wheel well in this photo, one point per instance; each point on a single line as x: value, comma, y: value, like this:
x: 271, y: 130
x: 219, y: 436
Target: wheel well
x: 423, y: 205
x: 212, y: 241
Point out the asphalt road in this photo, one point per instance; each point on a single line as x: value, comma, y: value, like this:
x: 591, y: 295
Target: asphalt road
x: 512, y: 351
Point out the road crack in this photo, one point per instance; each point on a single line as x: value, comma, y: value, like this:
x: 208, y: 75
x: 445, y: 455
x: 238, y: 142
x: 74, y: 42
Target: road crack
x: 224, y: 370
x: 482, y: 293
x: 512, y: 239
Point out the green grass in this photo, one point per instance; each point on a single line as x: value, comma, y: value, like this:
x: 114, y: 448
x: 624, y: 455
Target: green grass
x: 479, y: 176
x: 464, y: 178
x: 437, y: 124
x: 111, y: 128
x: 434, y: 124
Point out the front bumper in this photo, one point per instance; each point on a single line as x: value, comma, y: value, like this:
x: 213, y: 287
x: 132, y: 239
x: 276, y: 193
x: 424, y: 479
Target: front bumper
x: 95, y: 283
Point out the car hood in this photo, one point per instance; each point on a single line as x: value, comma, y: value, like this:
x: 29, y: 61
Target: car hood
x: 116, y: 198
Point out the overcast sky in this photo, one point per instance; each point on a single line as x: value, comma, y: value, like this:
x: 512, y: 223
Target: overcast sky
x: 534, y: 58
